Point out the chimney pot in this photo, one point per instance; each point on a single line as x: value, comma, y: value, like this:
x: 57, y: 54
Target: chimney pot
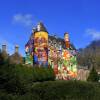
x: 16, y: 48
x: 4, y: 47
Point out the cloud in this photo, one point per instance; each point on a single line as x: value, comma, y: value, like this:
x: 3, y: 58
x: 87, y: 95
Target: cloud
x: 93, y: 33
x: 24, y: 19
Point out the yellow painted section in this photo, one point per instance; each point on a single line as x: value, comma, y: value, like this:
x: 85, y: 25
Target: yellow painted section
x: 41, y: 35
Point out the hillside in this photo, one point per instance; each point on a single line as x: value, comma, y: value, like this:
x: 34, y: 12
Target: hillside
x: 90, y: 56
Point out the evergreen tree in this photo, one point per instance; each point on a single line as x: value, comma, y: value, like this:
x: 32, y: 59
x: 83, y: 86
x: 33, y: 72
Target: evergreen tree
x: 93, y: 76
x: 1, y: 59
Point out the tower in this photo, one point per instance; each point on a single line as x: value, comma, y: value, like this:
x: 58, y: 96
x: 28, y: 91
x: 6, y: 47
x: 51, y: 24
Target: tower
x: 41, y: 45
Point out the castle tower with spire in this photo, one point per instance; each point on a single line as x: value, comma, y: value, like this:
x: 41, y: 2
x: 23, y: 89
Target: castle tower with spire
x: 37, y: 46
x: 41, y: 45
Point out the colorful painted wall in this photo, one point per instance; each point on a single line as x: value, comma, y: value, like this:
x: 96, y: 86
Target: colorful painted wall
x: 63, y: 60
x: 43, y: 50
x: 29, y: 52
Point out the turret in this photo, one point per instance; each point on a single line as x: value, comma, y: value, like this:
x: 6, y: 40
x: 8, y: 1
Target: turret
x: 40, y: 45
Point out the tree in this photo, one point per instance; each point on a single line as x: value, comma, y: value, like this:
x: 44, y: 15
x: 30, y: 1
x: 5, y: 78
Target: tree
x: 93, y: 76
x: 90, y: 54
x: 1, y: 59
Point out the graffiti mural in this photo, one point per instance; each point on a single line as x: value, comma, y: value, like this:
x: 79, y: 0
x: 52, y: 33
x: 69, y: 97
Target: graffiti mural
x: 29, y: 53
x: 41, y: 48
x: 44, y: 50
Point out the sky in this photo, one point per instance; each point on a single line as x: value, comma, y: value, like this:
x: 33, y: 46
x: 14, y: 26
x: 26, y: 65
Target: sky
x: 80, y: 18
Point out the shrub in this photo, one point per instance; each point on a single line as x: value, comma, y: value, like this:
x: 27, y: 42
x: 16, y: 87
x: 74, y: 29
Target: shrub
x: 18, y: 78
x: 93, y: 76
x: 43, y: 74
x: 66, y: 90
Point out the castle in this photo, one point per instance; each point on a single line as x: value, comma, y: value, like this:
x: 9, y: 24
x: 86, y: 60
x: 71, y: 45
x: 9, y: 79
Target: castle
x: 43, y: 50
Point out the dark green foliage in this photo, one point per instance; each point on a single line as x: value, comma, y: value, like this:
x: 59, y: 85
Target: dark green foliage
x: 66, y: 90
x: 1, y: 59
x: 23, y: 60
x: 57, y: 90
x: 93, y: 76
x: 43, y: 74
x: 17, y: 79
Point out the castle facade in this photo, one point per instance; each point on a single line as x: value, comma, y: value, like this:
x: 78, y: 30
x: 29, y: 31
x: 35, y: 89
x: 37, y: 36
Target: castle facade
x: 43, y: 50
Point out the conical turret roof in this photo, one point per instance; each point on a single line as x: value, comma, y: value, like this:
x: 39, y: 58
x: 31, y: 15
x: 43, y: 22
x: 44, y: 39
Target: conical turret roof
x: 41, y: 27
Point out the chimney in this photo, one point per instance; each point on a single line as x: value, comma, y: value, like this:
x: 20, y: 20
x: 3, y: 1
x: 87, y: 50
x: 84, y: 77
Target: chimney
x: 67, y: 40
x: 4, y: 47
x: 16, y: 48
